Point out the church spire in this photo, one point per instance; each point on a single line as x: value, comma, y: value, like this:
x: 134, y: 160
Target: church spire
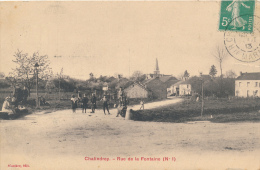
x: 156, y: 71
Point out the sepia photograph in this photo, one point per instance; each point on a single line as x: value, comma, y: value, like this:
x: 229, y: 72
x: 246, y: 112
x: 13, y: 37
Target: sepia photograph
x: 130, y: 85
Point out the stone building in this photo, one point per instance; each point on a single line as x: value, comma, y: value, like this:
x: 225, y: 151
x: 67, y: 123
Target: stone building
x: 248, y: 85
x: 136, y: 91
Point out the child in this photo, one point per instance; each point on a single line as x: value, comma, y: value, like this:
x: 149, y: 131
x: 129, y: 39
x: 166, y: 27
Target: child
x: 142, y: 104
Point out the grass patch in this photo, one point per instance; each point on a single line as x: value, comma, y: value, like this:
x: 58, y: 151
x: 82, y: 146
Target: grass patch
x: 222, y: 110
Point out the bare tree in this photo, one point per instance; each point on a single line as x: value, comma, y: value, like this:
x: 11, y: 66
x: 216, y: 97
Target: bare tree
x: 137, y: 76
x: 231, y: 74
x: 220, y: 54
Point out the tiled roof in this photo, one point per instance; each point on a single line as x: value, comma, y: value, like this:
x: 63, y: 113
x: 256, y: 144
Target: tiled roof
x: 139, y: 84
x: 148, y: 80
x: 249, y: 76
x: 178, y: 83
x: 171, y: 82
x: 166, y: 78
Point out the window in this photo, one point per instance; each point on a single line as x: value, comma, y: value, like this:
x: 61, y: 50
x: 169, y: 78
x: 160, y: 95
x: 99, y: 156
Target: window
x: 187, y: 86
x: 256, y: 84
x: 255, y: 93
x: 239, y: 84
x: 248, y: 83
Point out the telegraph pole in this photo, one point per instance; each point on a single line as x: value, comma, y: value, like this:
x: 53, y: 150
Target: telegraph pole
x: 37, y: 98
x: 202, y: 96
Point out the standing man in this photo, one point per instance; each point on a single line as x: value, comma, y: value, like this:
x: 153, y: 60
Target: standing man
x: 93, y: 102
x: 84, y: 103
x: 105, y: 104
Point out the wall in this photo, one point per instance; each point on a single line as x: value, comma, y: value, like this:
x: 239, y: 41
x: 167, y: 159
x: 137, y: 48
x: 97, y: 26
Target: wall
x: 185, y: 89
x: 135, y: 91
x: 247, y: 90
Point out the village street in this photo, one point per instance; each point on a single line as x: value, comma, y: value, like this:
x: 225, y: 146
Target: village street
x: 62, y: 140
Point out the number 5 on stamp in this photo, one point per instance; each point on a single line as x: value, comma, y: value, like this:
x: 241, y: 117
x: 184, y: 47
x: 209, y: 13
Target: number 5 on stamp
x: 237, y: 15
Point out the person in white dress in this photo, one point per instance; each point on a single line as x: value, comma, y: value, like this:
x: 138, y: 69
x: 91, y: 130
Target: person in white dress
x: 6, y: 106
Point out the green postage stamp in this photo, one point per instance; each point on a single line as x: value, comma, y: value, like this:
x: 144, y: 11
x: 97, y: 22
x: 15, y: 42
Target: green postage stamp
x: 237, y: 15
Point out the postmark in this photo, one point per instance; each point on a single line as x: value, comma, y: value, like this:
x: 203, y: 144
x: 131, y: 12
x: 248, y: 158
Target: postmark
x: 237, y: 15
x: 244, y: 46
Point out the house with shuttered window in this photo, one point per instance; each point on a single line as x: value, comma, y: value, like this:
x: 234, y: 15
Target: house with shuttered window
x: 248, y: 85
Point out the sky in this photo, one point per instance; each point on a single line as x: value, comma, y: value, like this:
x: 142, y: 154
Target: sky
x: 108, y: 38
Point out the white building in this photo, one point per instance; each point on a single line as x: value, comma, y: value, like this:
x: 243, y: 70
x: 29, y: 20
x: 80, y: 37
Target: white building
x: 185, y: 89
x: 248, y: 85
x: 181, y: 88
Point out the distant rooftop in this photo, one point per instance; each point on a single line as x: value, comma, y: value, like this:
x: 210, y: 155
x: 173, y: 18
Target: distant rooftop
x: 249, y: 76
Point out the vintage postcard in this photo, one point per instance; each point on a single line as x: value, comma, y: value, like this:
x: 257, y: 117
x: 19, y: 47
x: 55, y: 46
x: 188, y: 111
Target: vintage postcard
x: 130, y: 85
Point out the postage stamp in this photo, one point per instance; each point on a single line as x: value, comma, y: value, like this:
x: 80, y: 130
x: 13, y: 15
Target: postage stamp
x: 240, y: 13
x: 244, y: 46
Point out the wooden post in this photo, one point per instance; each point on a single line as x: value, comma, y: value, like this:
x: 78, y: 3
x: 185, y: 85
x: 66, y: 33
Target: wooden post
x: 202, y: 96
x: 202, y: 99
x: 59, y: 88
x: 37, y: 97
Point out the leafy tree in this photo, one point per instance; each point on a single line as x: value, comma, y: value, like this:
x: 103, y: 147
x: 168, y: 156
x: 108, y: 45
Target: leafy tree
x: 91, y: 76
x: 50, y: 85
x: 66, y: 85
x: 24, y: 72
x: 213, y: 71
x: 2, y: 75
x: 186, y: 75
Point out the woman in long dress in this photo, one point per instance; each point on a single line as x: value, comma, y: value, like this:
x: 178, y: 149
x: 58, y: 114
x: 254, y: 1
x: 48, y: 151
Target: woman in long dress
x: 237, y: 21
x: 73, y: 103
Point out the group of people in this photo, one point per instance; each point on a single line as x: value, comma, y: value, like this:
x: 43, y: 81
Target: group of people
x: 76, y: 101
x: 84, y: 100
x: 10, y: 106
x: 121, y: 106
x: 18, y: 98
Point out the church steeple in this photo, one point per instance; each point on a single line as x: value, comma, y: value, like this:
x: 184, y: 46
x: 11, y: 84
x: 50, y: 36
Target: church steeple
x: 156, y: 71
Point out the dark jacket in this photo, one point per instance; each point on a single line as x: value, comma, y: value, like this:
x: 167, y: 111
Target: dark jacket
x: 93, y: 99
x: 85, y: 101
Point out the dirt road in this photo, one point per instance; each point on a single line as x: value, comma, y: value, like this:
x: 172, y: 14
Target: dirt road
x: 63, y: 140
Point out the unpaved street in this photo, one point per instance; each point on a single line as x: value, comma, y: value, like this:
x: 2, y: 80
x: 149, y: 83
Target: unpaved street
x: 62, y: 140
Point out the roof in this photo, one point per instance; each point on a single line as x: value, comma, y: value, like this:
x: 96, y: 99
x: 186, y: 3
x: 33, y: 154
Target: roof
x: 137, y: 83
x: 149, y: 80
x: 185, y: 82
x: 178, y: 83
x: 249, y: 76
x: 206, y: 77
x: 166, y: 78
x: 171, y: 82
